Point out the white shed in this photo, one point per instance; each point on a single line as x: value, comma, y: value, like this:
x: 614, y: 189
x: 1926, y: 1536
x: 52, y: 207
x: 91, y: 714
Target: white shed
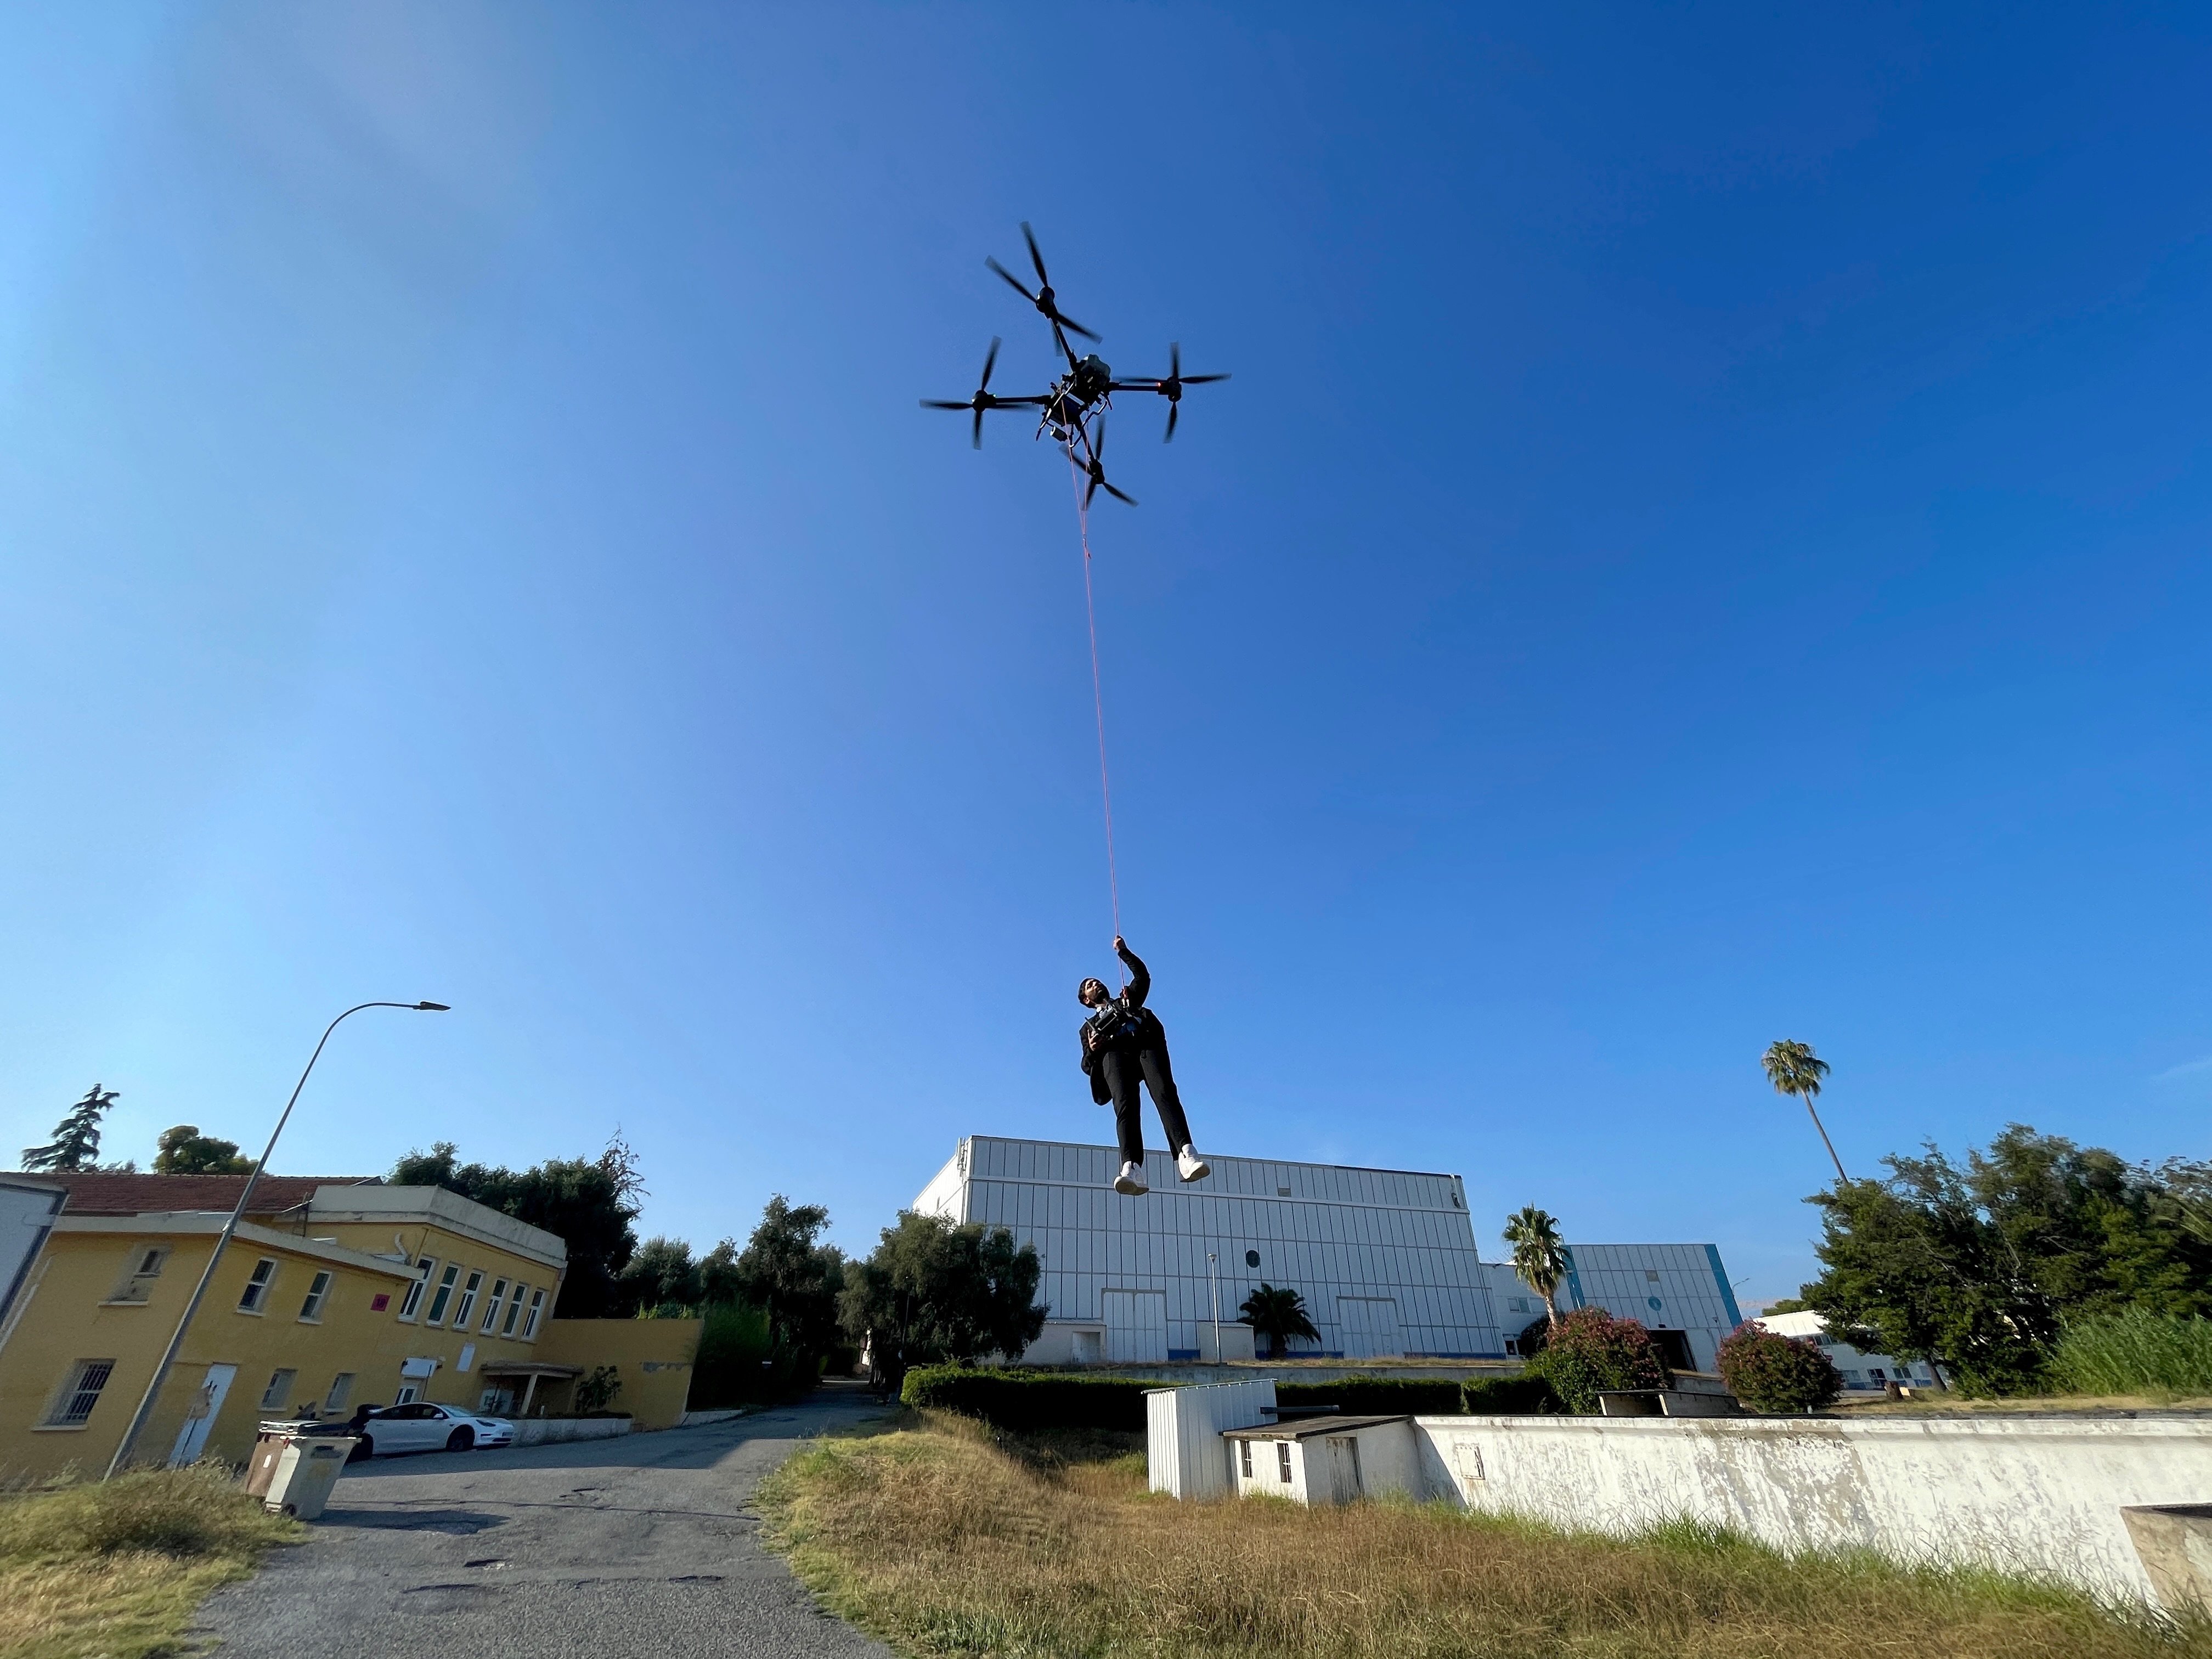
x: 1332, y: 1460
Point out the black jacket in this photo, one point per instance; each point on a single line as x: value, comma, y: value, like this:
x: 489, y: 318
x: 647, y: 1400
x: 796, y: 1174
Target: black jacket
x: 1124, y: 1024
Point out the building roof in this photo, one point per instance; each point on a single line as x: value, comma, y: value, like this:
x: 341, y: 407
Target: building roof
x: 98, y: 1194
x: 1307, y: 1428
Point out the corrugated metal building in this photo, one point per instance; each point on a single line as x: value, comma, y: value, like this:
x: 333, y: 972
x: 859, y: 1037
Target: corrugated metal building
x: 1385, y: 1259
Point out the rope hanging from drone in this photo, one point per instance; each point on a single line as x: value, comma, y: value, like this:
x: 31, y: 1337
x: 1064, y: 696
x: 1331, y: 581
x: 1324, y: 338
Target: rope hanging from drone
x: 1077, y: 476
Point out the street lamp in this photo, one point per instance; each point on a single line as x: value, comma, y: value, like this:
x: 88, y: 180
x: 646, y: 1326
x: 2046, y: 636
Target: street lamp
x: 223, y: 1240
x: 1212, y: 1272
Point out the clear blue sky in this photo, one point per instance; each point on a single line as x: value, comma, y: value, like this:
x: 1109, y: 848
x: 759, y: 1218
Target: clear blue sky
x: 1707, y: 543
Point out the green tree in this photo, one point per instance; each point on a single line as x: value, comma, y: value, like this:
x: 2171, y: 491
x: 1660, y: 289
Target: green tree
x: 588, y: 1203
x: 793, y: 1277
x: 932, y: 1291
x: 185, y: 1150
x: 1539, y: 1255
x: 660, y: 1274
x: 75, y: 1145
x: 1277, y: 1313
x: 1794, y: 1069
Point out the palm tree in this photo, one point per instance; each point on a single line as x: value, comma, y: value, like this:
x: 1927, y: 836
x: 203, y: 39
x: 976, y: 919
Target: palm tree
x: 1539, y: 1255
x: 1794, y: 1069
x: 1277, y: 1314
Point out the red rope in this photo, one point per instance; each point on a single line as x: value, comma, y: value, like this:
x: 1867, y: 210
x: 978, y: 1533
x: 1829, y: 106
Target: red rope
x: 1097, y: 700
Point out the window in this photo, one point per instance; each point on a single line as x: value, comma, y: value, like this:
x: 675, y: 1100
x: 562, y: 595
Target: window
x: 140, y: 1271
x: 1283, y: 1462
x: 442, y: 1296
x: 467, y: 1305
x: 316, y: 1293
x: 413, y: 1299
x: 513, y: 1310
x: 278, y: 1394
x: 407, y: 1391
x: 1245, y: 1458
x: 491, y: 1312
x: 1651, y: 1274
x: 79, y: 1393
x: 529, y: 1325
x: 257, y: 1285
x: 341, y: 1392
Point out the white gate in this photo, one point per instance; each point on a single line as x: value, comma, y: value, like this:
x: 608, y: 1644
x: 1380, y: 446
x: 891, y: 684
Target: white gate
x: 1136, y: 1327
x: 1369, y: 1327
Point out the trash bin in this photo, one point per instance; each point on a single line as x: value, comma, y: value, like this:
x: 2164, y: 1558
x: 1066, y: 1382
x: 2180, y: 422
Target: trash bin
x: 307, y: 1467
x: 268, y: 1447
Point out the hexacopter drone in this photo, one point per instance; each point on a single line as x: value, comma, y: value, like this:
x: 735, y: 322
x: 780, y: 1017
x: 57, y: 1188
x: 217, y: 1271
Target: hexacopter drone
x: 1074, y: 410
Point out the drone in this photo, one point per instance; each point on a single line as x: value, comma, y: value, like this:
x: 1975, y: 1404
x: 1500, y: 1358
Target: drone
x: 1074, y: 410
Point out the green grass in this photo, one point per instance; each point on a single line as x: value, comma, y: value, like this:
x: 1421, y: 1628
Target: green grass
x: 944, y: 1538
x: 116, y: 1570
x: 2135, y: 1353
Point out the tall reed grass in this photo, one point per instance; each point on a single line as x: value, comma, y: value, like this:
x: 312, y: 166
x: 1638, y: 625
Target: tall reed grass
x: 2135, y: 1352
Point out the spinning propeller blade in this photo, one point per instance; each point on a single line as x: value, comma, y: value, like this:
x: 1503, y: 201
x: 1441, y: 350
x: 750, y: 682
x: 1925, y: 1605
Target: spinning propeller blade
x: 1175, y: 412
x: 990, y: 361
x: 1011, y: 282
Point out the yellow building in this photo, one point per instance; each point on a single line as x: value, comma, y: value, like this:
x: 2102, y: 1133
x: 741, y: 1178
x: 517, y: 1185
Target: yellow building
x: 333, y: 1294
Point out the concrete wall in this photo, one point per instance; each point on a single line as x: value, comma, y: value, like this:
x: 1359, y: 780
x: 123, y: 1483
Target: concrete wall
x: 650, y: 1357
x: 2039, y: 1496
x: 547, y: 1431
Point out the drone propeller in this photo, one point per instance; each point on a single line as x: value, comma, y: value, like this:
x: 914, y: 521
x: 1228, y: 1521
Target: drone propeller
x: 1097, y: 471
x: 1171, y: 387
x: 1042, y: 299
x: 982, y: 400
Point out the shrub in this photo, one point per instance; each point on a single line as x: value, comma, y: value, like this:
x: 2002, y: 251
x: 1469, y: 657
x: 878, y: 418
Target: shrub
x: 1769, y: 1372
x: 194, y: 1510
x: 1592, y: 1351
x: 1377, y: 1396
x: 1511, y: 1397
x: 1029, y: 1400
x: 740, y: 1362
x: 2135, y: 1352
x: 596, y: 1391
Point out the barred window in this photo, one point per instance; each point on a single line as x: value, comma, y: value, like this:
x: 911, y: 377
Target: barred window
x: 1283, y: 1462
x: 1245, y: 1458
x: 79, y: 1393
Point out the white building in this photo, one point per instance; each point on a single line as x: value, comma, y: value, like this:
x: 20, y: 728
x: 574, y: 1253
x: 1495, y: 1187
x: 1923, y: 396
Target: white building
x: 1679, y: 1292
x: 1385, y: 1258
x: 1861, y: 1370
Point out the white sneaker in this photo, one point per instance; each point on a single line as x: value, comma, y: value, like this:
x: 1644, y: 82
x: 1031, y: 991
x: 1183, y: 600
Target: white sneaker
x: 1190, y: 1166
x: 1131, y: 1181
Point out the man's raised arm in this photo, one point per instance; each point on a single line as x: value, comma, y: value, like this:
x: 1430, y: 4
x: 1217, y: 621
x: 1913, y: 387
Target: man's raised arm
x: 1140, y: 982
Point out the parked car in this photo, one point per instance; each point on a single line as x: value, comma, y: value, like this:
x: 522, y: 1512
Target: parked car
x: 421, y: 1427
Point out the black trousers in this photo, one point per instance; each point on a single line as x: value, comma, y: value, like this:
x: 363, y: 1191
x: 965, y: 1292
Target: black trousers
x: 1123, y: 1069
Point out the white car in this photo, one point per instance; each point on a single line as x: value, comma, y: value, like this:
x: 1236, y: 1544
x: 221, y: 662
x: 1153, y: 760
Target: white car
x: 421, y: 1427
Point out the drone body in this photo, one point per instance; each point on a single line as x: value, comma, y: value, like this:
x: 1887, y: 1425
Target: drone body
x: 1074, y: 410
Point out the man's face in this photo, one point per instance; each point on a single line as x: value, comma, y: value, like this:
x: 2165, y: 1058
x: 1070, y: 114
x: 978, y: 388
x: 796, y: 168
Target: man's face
x: 1093, y: 994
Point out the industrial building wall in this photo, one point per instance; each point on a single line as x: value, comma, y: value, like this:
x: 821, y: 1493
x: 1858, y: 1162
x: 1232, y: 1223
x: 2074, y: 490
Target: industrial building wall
x: 1385, y: 1259
x: 1678, y: 1287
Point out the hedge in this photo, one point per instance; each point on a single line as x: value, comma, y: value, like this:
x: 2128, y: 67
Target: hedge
x: 1030, y: 1400
x: 1511, y: 1397
x: 1377, y: 1396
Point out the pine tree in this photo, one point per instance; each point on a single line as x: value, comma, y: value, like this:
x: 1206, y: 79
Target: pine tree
x: 75, y: 1145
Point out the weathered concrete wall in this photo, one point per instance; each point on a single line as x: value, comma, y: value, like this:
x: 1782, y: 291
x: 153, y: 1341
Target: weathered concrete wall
x: 545, y: 1431
x: 2041, y: 1496
x: 650, y: 1357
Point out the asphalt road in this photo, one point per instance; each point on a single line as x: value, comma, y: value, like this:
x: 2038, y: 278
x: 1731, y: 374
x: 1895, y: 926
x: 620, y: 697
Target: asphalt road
x: 600, y: 1550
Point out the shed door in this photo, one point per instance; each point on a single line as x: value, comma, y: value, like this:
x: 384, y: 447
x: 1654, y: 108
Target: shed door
x: 1136, y: 1327
x: 1343, y: 1469
x: 1369, y: 1327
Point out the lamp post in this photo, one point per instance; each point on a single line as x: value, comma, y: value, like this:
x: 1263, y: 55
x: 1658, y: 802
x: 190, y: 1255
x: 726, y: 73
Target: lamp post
x: 122, y: 1457
x: 1213, y: 1274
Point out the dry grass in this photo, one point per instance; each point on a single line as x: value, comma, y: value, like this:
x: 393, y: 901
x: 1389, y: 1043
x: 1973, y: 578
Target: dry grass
x: 115, y: 1571
x: 943, y: 1540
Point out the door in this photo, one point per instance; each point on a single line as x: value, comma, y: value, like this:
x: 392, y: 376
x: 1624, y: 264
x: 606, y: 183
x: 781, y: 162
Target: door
x: 1343, y: 1469
x: 1368, y: 1326
x: 1136, y: 1327
x: 200, y: 1415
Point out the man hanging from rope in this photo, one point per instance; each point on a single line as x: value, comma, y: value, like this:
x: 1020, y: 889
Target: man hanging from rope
x: 1123, y: 1044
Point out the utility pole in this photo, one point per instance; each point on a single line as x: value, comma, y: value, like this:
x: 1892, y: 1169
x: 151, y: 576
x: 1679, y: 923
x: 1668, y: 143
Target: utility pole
x: 1213, y: 1274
